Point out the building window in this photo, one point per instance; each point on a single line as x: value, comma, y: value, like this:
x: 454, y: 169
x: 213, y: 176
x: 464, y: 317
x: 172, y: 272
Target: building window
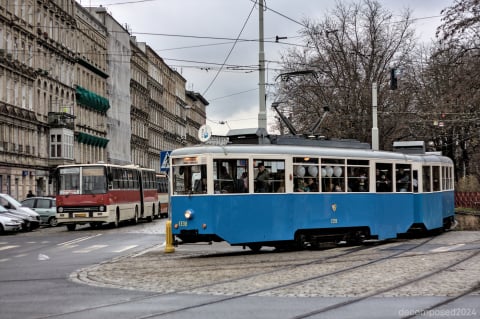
x: 61, y: 144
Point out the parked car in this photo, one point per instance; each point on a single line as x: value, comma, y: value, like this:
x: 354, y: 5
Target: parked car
x: 32, y: 218
x: 8, y: 222
x: 46, y: 207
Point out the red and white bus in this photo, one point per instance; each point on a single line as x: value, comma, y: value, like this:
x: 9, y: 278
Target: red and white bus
x: 162, y: 190
x: 104, y: 193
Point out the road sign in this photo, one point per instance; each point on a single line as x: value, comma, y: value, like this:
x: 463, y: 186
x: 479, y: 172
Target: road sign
x: 164, y: 156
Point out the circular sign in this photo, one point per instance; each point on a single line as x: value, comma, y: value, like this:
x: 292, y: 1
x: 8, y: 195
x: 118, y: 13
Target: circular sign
x: 204, y: 133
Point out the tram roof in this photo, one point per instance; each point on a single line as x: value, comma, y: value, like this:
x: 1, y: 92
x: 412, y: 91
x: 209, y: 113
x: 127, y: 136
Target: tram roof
x: 273, y: 149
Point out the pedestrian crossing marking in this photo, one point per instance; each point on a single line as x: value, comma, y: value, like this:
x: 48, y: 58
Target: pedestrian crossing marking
x: 124, y: 249
x: 8, y: 247
x: 89, y: 249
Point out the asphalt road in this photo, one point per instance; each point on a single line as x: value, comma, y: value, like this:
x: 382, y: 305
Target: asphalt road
x: 125, y: 274
x: 35, y: 267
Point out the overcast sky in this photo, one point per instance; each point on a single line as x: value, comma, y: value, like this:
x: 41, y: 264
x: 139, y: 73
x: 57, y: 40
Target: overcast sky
x: 194, y: 37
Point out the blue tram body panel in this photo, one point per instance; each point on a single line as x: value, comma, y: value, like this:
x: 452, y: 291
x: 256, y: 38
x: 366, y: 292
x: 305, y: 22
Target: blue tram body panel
x: 241, y: 219
x: 432, y: 208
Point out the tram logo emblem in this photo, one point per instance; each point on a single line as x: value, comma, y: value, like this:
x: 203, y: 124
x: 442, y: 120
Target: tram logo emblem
x: 334, y: 207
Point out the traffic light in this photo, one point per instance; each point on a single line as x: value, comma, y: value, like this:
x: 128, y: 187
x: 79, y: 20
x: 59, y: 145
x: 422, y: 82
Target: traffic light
x: 393, y: 79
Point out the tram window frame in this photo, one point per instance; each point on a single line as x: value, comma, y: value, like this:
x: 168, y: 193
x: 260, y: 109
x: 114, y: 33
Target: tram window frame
x: 334, y: 176
x: 426, y: 181
x: 358, y: 175
x: 232, y: 183
x: 305, y: 168
x: 276, y: 170
x: 383, y: 185
x: 403, y: 178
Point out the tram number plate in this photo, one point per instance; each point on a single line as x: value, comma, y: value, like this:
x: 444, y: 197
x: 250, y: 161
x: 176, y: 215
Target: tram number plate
x: 81, y: 214
x: 183, y: 223
x: 333, y: 221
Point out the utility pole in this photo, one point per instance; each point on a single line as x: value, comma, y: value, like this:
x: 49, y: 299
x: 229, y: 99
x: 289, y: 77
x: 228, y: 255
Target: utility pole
x: 262, y: 112
x: 374, y: 117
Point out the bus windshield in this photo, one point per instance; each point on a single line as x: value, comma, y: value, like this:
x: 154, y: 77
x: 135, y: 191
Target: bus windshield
x: 82, y: 180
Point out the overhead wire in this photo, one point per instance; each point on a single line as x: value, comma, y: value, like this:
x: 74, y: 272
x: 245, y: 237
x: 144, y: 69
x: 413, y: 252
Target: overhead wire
x: 231, y: 50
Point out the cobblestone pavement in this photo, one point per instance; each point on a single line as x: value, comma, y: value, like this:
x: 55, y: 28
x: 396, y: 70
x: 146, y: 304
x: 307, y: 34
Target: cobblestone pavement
x: 220, y: 269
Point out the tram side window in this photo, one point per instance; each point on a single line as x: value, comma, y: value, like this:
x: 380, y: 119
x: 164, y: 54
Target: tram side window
x: 427, y: 186
x: 230, y: 176
x: 403, y: 177
x: 269, y: 175
x: 357, y: 175
x: 305, y: 170
x: 333, y: 175
x: 383, y: 177
x: 436, y: 178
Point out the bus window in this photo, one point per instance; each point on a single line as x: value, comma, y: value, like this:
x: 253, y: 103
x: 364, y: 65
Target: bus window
x: 94, y: 180
x: 383, y: 177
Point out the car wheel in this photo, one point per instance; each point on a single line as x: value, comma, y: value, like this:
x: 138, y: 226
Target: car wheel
x: 1, y: 229
x: 52, y: 221
x: 26, y: 226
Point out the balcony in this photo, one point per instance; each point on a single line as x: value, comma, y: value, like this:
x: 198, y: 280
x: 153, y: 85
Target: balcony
x: 61, y: 120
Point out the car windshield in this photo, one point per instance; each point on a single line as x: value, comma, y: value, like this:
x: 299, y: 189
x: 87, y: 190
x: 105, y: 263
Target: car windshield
x: 3, y: 209
x: 12, y: 201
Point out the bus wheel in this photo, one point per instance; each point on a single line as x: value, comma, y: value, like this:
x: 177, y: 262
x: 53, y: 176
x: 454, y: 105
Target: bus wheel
x: 116, y: 223
x: 71, y: 227
x: 135, y: 219
x: 151, y: 217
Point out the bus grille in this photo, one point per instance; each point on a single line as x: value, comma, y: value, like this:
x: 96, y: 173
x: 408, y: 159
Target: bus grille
x: 81, y: 209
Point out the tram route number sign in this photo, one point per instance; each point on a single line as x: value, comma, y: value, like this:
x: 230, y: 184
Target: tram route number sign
x: 164, y: 156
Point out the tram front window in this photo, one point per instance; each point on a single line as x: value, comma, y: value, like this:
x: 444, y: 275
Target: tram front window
x: 189, y: 179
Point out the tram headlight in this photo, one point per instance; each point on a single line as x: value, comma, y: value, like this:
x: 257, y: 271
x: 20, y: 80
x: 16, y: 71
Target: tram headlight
x: 188, y: 214
x: 60, y: 209
x: 101, y: 208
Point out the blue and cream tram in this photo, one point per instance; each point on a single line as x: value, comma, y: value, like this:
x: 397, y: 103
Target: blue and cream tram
x: 293, y: 196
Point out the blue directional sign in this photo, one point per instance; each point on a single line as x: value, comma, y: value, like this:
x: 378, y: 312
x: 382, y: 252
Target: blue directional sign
x: 164, y: 156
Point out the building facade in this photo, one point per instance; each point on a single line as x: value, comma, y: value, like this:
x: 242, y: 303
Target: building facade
x: 76, y: 87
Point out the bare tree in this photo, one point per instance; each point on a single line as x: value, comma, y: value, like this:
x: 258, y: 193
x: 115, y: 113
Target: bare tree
x: 352, y: 47
x: 451, y: 83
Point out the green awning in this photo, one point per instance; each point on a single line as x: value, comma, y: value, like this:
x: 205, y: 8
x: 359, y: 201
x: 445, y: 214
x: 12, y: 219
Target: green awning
x: 92, y: 140
x: 92, y: 100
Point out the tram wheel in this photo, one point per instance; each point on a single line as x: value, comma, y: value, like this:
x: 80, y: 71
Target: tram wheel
x: 255, y: 247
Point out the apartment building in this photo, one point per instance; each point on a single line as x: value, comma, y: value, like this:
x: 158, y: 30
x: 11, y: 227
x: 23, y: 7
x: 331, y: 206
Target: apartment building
x: 76, y: 87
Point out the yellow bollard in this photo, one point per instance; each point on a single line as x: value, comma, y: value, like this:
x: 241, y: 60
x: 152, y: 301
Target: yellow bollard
x: 169, y: 237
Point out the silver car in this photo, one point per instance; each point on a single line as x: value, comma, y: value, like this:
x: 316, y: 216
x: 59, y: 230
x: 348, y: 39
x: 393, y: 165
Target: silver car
x: 8, y: 222
x: 45, y: 206
x: 31, y: 217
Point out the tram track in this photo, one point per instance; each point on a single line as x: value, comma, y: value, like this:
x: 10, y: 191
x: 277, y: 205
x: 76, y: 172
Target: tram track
x: 254, y: 276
